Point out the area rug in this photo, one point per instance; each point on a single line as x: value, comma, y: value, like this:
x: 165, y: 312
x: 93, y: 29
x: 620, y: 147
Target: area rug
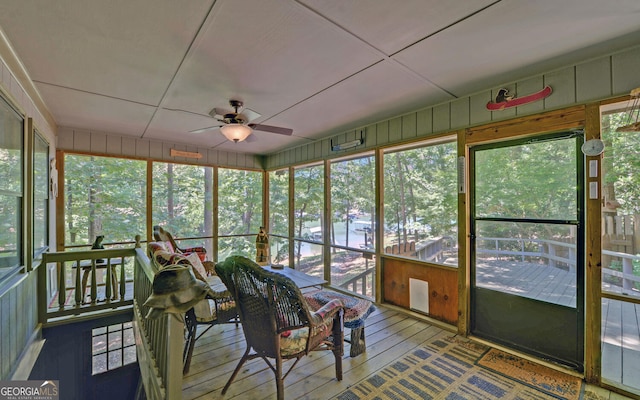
x: 444, y: 368
x: 532, y: 374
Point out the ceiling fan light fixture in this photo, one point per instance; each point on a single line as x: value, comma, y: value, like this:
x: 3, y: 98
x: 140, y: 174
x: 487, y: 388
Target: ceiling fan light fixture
x: 235, y: 132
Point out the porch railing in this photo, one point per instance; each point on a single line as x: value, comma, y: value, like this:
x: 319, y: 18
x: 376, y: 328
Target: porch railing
x: 159, y: 342
x: 69, y: 284
x: 362, y: 283
x: 617, y: 267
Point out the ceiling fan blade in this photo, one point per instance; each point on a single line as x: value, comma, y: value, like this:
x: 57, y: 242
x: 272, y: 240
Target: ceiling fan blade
x: 272, y: 129
x: 204, y: 129
x: 249, y: 114
x: 219, y: 113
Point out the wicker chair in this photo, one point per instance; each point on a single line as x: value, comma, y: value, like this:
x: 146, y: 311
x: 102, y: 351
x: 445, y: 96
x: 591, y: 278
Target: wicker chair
x: 276, y: 320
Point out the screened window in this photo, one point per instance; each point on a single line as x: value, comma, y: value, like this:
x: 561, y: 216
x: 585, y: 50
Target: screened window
x: 421, y: 202
x: 239, y: 211
x: 309, y: 201
x: 11, y: 189
x: 279, y: 216
x: 279, y: 203
x: 40, y: 195
x: 103, y: 196
x: 183, y: 202
x: 353, y: 226
x: 353, y: 203
x: 308, y: 216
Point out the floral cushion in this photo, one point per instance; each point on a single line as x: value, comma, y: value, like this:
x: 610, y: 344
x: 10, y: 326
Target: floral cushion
x: 293, y: 342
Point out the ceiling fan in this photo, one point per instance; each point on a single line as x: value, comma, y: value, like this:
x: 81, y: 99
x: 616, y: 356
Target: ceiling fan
x: 236, y: 126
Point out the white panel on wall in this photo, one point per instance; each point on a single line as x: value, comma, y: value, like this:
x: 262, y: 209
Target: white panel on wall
x: 128, y: 146
x: 419, y: 295
x: 212, y: 156
x: 81, y: 140
x: 395, y: 129
x: 460, y: 113
x: 382, y: 132
x: 326, y: 148
x: 409, y: 126
x: 65, y: 139
x: 441, y: 117
x: 424, y: 122
x: 563, y: 83
x: 98, y: 142
x: 593, y: 80
x: 143, y: 148
x: 114, y: 144
x: 625, y: 71
x: 155, y: 150
x: 223, y: 156
x: 478, y: 112
x: 370, y: 136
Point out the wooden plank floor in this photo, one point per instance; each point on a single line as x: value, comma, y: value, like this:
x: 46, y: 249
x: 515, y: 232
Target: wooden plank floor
x: 389, y: 335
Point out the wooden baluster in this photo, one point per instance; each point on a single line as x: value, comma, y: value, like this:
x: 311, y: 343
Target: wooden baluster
x: 62, y: 284
x: 123, y: 287
x: 107, y: 280
x: 94, y: 282
x: 79, y: 294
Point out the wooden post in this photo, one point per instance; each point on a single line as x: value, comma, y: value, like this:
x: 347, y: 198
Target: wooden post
x: 593, y: 250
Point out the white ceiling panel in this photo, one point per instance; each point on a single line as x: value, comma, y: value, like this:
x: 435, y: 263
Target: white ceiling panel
x: 502, y: 42
x: 348, y: 103
x: 93, y: 112
x: 270, y: 54
x: 319, y: 67
x: 390, y: 26
x: 120, y: 48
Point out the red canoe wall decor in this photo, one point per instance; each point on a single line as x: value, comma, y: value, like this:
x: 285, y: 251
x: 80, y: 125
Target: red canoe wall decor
x: 503, y: 100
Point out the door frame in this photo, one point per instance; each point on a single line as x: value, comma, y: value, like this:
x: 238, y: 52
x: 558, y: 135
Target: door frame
x: 583, y: 116
x: 528, y: 325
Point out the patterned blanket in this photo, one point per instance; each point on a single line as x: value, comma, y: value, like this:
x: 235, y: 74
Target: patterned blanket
x: 356, y: 309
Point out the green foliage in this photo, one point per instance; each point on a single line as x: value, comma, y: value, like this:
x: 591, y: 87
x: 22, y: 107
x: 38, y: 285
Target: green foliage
x: 239, y: 202
x: 103, y: 196
x: 535, y: 180
x: 420, y: 191
x: 621, y: 162
x: 352, y: 193
x: 309, y: 197
x: 180, y: 199
x: 279, y: 202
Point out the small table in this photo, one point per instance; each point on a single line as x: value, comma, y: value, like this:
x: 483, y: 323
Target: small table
x: 85, y: 265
